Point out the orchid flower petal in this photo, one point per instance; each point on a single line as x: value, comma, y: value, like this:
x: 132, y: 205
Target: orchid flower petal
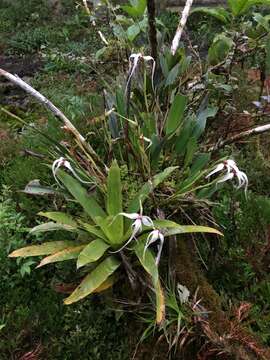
x: 137, y: 226
x: 133, y: 64
x: 231, y: 165
x: 160, y: 248
x: 132, y: 216
x: 151, y: 238
x: 226, y: 178
x: 147, y: 221
x: 150, y: 58
x: 218, y: 168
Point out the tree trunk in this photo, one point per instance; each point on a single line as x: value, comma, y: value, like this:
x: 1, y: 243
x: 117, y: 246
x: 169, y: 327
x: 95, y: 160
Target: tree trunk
x: 152, y: 27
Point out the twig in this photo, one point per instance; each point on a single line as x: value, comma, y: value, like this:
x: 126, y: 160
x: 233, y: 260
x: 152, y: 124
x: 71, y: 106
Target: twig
x: 181, y: 26
x: 32, y: 153
x: 255, y: 131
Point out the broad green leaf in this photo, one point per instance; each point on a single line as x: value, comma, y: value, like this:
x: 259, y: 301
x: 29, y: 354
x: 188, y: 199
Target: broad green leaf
x: 51, y: 226
x: 92, y: 252
x: 200, y: 162
x: 217, y: 12
x: 192, y: 146
x: 237, y: 6
x: 94, y: 280
x: 114, y: 188
x: 185, y: 133
x: 133, y: 31
x: 173, y: 75
x: 147, y: 260
x: 173, y: 228
x: 34, y: 188
x: 136, y: 9
x: 63, y: 255
x: 105, y: 285
x: 88, y: 202
x: 149, y: 187
x: 59, y: 217
x: 202, y: 117
x: 110, y: 228
x: 92, y: 229
x: 176, y: 113
x: 42, y: 249
x: 220, y: 48
x: 263, y: 21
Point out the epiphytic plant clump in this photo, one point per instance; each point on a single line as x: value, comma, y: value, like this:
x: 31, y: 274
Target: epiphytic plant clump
x: 157, y: 126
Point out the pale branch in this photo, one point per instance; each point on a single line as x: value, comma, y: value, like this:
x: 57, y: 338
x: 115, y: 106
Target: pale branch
x: 242, y: 135
x: 51, y: 107
x: 181, y: 26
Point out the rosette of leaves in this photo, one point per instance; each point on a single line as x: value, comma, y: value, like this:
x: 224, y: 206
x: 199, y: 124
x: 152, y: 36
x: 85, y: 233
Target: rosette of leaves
x: 105, y: 232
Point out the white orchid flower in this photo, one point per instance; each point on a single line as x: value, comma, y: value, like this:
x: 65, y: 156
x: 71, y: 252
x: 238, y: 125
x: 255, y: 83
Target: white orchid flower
x: 62, y: 162
x: 153, y: 237
x: 137, y: 225
x: 133, y: 64
x: 232, y: 172
x: 229, y: 165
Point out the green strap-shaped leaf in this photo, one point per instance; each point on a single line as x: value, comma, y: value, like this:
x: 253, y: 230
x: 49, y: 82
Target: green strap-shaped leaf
x: 88, y: 202
x: 94, y: 280
x: 148, y: 262
x: 92, y: 252
x: 114, y: 199
x: 114, y: 188
x: 59, y: 217
x: 148, y: 187
x: 42, y: 249
x: 176, y: 113
x: 92, y: 229
x: 63, y: 255
x: 51, y: 226
x: 172, y: 228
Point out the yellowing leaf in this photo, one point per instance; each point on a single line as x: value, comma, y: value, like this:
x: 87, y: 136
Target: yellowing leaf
x: 42, y: 249
x: 174, y: 228
x: 66, y: 254
x: 94, y: 280
x: 148, y: 262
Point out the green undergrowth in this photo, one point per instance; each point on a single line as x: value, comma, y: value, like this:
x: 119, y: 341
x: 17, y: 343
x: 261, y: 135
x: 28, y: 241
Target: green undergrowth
x: 33, y: 313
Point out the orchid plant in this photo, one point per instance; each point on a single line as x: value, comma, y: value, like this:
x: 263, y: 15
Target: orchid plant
x: 107, y: 233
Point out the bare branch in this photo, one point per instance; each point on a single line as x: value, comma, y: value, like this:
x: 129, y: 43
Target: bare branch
x: 255, y: 131
x: 181, y: 26
x: 49, y: 105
